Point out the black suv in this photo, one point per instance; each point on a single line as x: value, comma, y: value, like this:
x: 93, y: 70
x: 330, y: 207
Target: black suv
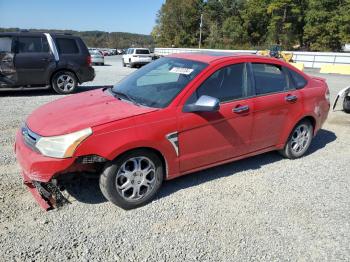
x: 31, y: 59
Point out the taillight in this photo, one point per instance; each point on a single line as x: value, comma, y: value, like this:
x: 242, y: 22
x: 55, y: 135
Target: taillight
x: 88, y: 60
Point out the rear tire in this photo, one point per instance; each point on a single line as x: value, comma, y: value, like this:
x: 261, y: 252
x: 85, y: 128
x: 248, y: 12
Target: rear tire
x: 124, y: 65
x: 133, y: 179
x: 346, y: 104
x: 64, y: 82
x: 299, y: 140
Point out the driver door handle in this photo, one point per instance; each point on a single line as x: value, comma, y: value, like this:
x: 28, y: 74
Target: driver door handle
x: 241, y: 109
x: 291, y: 98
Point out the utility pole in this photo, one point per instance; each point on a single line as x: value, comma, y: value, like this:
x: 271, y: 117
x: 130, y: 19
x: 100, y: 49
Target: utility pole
x: 200, y: 32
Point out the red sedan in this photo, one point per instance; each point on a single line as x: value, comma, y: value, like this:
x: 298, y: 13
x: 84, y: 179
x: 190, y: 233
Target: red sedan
x: 177, y: 115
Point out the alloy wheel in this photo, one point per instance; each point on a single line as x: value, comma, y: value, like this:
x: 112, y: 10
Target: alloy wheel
x: 300, y: 138
x: 65, y: 83
x: 136, y: 178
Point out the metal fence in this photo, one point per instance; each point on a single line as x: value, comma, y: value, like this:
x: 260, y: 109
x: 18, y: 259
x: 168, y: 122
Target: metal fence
x: 310, y: 59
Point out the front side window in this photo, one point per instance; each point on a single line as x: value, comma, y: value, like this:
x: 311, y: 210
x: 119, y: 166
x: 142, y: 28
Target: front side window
x: 159, y: 82
x: 226, y: 84
x: 67, y: 46
x: 5, y: 44
x: 32, y: 45
x: 269, y: 78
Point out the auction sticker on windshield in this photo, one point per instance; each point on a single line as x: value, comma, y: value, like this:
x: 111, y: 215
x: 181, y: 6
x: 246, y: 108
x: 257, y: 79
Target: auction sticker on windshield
x: 181, y: 70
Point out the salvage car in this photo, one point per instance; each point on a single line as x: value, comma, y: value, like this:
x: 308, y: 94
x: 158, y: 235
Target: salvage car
x: 177, y: 115
x: 33, y: 59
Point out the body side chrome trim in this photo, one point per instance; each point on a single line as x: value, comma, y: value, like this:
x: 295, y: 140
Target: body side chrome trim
x: 52, y: 46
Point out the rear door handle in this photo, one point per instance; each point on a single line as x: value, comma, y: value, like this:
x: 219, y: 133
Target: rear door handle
x: 291, y: 98
x: 241, y: 109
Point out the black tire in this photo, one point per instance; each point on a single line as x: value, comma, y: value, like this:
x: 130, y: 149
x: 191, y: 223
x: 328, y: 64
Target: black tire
x: 102, y: 64
x: 61, y: 87
x: 346, y: 104
x: 124, y: 65
x: 110, y: 179
x: 295, y: 146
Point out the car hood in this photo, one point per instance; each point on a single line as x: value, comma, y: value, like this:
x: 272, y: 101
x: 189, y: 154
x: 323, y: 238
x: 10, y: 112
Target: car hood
x: 81, y: 111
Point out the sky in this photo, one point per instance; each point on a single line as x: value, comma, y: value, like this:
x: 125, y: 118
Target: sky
x: 134, y: 16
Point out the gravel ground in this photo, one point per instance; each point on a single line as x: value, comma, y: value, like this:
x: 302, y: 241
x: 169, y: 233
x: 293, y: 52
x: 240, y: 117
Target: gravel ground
x: 261, y: 208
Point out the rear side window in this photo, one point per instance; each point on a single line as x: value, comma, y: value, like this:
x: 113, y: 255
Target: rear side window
x: 32, y: 45
x: 67, y: 46
x: 269, y: 78
x: 142, y: 51
x: 298, y: 80
x: 228, y: 83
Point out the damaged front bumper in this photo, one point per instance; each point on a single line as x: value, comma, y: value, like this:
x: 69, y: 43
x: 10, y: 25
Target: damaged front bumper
x: 47, y: 195
x: 42, y: 174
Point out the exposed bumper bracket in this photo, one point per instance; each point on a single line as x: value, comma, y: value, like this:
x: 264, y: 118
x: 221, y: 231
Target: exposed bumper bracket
x: 47, y: 195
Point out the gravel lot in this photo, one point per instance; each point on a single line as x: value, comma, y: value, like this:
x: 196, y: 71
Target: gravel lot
x: 261, y: 208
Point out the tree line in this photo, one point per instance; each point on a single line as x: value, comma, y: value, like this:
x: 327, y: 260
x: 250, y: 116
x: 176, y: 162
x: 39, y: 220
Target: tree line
x: 100, y: 38
x: 314, y: 25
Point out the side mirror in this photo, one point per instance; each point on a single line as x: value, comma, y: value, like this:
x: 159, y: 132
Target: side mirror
x: 203, y: 104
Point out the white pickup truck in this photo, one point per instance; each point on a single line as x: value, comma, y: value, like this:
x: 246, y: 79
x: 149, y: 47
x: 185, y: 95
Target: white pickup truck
x: 137, y: 57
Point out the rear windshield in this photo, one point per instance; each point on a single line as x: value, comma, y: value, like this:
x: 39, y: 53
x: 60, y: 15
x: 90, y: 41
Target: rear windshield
x: 142, y: 51
x: 67, y: 46
x: 94, y: 52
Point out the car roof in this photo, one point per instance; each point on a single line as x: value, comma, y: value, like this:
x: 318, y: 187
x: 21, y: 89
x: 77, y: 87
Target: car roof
x: 35, y: 33
x: 211, y: 56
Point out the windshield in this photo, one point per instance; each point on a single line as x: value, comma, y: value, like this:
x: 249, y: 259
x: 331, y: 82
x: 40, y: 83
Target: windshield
x: 158, y: 83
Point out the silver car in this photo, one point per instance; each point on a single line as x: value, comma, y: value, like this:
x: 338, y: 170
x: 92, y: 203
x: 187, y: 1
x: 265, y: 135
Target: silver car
x: 96, y: 57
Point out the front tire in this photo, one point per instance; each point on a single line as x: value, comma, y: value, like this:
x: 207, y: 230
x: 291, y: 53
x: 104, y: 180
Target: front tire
x: 64, y: 82
x: 299, y: 140
x: 133, y: 179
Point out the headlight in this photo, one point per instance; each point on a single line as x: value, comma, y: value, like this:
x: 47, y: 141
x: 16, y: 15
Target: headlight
x: 62, y: 146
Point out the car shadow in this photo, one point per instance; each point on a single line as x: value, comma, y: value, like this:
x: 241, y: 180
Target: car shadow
x: 44, y: 91
x: 86, y: 188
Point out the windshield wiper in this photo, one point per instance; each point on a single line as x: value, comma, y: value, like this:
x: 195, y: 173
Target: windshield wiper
x: 125, y: 96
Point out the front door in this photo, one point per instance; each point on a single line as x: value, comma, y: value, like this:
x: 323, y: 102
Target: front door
x: 8, y: 73
x: 209, y: 137
x: 32, y: 60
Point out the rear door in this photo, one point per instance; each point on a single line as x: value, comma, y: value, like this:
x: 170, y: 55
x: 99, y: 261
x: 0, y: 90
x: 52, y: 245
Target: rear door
x: 32, y: 60
x: 8, y: 73
x: 210, y: 137
x: 276, y: 104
